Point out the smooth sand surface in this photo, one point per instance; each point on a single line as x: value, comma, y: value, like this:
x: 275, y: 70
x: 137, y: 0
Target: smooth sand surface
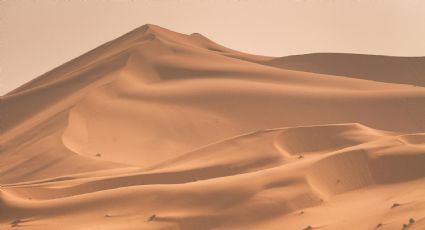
x: 161, y: 130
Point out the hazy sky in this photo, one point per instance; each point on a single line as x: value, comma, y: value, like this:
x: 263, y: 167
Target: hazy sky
x: 38, y: 35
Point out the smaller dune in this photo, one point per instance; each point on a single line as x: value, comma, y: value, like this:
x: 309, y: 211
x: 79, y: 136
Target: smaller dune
x: 319, y: 139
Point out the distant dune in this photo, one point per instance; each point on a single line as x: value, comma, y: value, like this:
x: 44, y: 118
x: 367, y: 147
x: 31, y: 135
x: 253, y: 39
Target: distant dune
x: 162, y: 130
x: 402, y: 70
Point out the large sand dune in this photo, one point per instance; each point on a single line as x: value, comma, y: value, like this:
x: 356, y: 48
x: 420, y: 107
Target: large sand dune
x: 161, y: 130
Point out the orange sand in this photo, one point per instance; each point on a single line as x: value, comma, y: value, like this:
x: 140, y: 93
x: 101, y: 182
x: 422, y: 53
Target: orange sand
x: 161, y: 130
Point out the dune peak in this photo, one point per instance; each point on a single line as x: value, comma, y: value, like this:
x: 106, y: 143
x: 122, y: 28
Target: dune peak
x: 159, y: 130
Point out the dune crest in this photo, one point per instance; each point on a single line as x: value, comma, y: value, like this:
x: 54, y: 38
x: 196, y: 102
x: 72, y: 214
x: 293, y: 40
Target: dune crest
x: 162, y: 130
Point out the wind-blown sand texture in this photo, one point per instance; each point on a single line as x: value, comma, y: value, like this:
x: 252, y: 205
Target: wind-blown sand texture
x: 161, y: 130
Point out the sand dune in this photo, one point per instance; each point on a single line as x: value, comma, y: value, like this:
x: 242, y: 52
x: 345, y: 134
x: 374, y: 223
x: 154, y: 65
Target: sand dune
x: 401, y: 70
x: 161, y: 130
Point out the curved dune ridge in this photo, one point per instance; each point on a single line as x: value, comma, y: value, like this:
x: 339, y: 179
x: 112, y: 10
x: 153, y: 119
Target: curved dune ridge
x: 162, y: 130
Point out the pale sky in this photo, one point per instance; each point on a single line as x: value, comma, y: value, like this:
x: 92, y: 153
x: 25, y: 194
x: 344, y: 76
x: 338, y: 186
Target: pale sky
x: 38, y: 35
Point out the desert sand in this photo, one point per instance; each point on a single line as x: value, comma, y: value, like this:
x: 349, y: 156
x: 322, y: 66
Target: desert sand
x: 162, y: 130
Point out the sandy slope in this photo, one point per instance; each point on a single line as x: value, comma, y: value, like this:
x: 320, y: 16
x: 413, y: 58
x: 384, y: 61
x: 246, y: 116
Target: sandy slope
x: 403, y: 70
x: 205, y: 137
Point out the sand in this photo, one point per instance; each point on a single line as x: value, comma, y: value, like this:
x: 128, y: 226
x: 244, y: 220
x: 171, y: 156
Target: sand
x: 162, y: 130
